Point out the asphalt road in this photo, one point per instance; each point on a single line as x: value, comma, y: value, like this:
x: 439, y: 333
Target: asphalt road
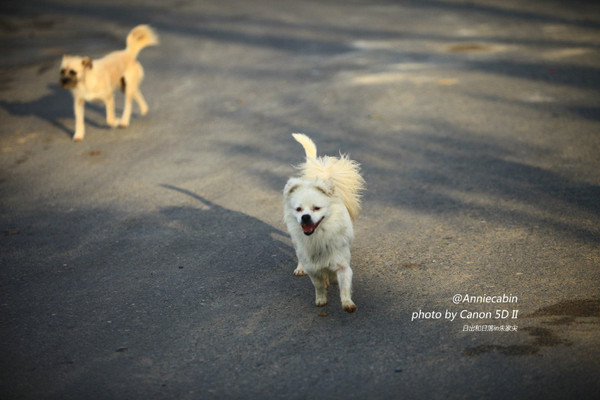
x: 152, y: 262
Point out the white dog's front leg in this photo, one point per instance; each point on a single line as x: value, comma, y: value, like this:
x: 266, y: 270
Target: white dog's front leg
x: 299, y: 271
x: 79, y: 107
x: 320, y: 290
x: 344, y: 277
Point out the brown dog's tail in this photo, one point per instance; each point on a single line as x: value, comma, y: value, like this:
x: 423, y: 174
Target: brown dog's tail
x: 140, y: 37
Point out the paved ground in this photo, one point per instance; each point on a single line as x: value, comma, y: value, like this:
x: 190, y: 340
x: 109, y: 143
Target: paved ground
x: 152, y: 262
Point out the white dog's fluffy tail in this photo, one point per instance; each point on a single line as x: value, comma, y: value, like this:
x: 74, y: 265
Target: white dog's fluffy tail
x: 307, y: 143
x: 140, y: 37
x: 342, y: 172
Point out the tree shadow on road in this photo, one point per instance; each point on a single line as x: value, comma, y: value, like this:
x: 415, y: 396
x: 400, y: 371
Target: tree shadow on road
x: 449, y: 172
x: 53, y: 107
x: 244, y: 241
x: 189, y: 281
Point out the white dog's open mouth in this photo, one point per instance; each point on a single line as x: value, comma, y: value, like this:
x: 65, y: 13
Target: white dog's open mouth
x: 309, y: 229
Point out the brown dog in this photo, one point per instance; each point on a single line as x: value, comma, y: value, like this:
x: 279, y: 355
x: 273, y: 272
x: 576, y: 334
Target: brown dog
x: 96, y: 80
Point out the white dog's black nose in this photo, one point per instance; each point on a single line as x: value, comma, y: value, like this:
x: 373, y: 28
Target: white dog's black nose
x: 306, y: 219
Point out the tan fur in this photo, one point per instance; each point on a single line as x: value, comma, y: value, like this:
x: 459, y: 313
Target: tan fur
x: 342, y: 172
x: 96, y: 80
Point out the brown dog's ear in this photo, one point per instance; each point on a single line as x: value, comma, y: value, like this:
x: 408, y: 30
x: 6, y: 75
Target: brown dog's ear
x: 86, y: 62
x: 291, y: 185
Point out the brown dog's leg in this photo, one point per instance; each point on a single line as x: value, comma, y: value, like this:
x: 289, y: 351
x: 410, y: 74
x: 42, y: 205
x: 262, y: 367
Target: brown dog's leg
x: 109, y: 102
x: 141, y: 102
x: 79, y: 107
x: 125, y: 118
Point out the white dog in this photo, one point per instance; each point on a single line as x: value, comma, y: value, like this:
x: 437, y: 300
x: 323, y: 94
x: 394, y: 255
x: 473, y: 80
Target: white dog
x: 319, y: 208
x: 96, y: 80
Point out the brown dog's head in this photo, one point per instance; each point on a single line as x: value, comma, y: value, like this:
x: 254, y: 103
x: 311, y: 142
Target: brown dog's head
x: 72, y: 70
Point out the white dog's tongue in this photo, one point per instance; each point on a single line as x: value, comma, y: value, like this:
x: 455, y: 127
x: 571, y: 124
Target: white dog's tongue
x: 308, y: 228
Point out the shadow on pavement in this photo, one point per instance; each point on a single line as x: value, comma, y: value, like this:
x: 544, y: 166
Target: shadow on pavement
x: 52, y: 108
x: 118, y: 299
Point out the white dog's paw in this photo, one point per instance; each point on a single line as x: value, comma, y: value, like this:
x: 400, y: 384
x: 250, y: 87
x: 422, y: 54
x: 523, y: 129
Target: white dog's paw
x: 321, y: 301
x: 78, y: 137
x: 299, y: 271
x: 349, y: 306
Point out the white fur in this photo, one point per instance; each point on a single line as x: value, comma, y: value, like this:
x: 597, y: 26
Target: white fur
x: 325, y: 200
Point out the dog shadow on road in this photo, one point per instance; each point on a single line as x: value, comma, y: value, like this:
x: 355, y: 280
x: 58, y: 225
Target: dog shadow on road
x: 228, y: 238
x: 54, y: 107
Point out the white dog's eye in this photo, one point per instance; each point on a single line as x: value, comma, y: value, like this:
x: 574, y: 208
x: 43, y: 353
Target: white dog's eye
x: 299, y: 209
x: 315, y: 208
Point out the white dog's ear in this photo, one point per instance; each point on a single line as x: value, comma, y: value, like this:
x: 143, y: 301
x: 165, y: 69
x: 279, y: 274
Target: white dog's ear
x: 291, y: 185
x: 327, y: 187
x: 86, y: 62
